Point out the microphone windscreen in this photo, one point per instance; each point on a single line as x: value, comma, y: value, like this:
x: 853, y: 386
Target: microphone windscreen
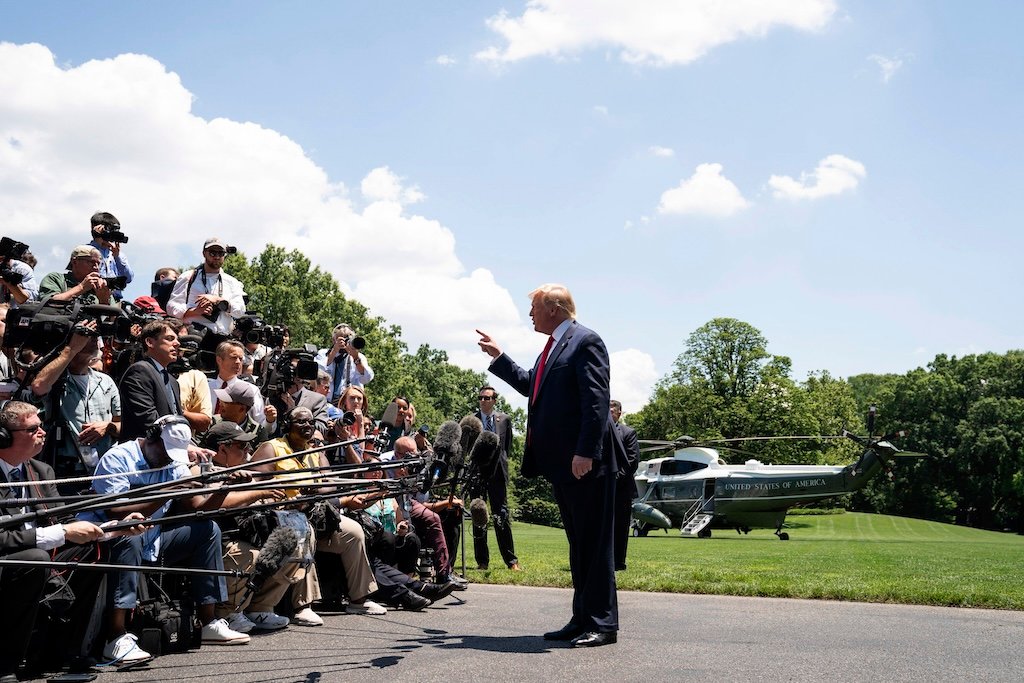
x: 484, y: 457
x: 471, y: 428
x: 478, y: 512
x: 390, y: 416
x: 280, y: 545
x: 446, y: 445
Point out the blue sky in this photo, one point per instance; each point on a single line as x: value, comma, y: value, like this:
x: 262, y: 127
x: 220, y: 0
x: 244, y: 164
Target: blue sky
x: 443, y: 159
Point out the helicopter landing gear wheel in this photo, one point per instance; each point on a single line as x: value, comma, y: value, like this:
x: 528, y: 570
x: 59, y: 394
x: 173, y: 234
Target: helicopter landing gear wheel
x: 783, y: 536
x: 704, y: 533
x: 640, y: 529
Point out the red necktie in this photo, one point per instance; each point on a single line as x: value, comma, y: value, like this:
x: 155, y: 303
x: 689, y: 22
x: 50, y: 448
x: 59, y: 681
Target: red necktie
x: 540, y: 368
x: 224, y: 385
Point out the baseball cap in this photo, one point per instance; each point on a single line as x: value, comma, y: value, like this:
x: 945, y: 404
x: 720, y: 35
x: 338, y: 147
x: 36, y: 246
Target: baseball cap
x: 239, y: 391
x: 149, y: 305
x: 82, y: 251
x: 215, y: 242
x: 226, y: 432
x: 177, y: 437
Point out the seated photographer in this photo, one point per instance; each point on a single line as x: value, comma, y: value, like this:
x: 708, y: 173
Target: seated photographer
x: 398, y: 545
x: 429, y: 525
x: 233, y: 447
x: 81, y: 280
x: 22, y: 588
x: 230, y: 354
x: 193, y: 386
x: 108, y: 238
x: 234, y: 404
x: 348, y: 541
x: 344, y: 362
x: 206, y: 296
x: 295, y: 395
x: 162, y: 456
x: 351, y: 403
x: 17, y: 279
x: 82, y: 405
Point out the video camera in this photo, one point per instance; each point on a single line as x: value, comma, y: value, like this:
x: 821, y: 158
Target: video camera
x: 188, y: 356
x: 46, y: 326
x: 11, y: 249
x: 287, y: 365
x: 118, y: 282
x: 111, y: 231
x: 251, y: 329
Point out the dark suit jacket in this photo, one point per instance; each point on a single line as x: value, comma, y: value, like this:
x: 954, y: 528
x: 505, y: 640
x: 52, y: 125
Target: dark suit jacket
x: 13, y: 540
x: 570, y: 413
x: 631, y: 445
x: 143, y: 399
x: 503, y: 428
x: 317, y: 404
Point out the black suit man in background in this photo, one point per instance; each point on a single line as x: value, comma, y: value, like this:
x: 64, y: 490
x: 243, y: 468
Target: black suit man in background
x: 625, y: 485
x: 148, y: 391
x: 570, y: 441
x: 497, y: 486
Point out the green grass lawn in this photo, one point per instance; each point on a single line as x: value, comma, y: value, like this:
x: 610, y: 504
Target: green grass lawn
x: 852, y: 556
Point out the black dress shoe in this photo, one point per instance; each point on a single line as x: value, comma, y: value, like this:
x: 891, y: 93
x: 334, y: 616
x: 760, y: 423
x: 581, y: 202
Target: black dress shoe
x: 413, y: 601
x: 567, y: 632
x: 595, y: 639
x: 437, y: 591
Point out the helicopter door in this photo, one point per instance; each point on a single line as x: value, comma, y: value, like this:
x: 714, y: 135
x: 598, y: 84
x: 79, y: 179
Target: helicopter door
x: 709, y: 496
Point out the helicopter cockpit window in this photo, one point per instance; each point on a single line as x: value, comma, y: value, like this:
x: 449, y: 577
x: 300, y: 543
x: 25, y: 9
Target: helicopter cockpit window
x: 670, y: 467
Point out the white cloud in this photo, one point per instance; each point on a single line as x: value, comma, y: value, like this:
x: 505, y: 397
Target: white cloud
x: 381, y: 185
x: 887, y: 65
x: 600, y: 109
x: 707, y: 192
x: 658, y: 151
x: 119, y: 135
x: 834, y: 174
x: 633, y: 378
x: 446, y: 60
x: 655, y: 32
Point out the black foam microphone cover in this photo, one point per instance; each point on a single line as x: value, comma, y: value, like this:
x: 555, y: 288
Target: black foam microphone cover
x: 471, y: 429
x: 484, y: 458
x: 279, y: 547
x: 478, y: 512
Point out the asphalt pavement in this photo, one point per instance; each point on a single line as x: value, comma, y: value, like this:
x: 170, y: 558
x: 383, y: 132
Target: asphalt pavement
x: 491, y: 633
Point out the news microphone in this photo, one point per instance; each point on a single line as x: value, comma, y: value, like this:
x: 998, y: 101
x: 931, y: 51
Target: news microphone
x: 478, y: 512
x: 471, y: 429
x: 280, y: 545
x: 446, y: 451
x: 484, y: 458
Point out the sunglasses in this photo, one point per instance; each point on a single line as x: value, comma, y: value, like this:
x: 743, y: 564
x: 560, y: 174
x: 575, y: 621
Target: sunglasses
x: 486, y: 398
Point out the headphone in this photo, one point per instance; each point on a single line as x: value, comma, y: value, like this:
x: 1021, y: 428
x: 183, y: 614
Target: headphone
x: 6, y: 438
x: 155, y: 430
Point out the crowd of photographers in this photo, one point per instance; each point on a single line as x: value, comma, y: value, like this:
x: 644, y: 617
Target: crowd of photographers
x: 180, y: 431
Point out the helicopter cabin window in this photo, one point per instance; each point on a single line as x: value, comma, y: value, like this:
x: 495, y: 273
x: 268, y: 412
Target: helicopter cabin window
x: 670, y: 467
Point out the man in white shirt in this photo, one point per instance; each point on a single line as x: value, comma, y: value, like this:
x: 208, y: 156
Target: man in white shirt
x: 206, y: 296
x: 229, y: 366
x: 344, y: 362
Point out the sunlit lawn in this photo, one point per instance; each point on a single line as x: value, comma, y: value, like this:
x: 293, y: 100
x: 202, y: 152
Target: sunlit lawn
x: 852, y: 556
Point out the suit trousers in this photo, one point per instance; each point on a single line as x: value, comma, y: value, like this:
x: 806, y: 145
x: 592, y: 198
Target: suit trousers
x: 349, y: 542
x: 497, y: 496
x: 20, y: 590
x: 588, y: 512
x: 624, y: 490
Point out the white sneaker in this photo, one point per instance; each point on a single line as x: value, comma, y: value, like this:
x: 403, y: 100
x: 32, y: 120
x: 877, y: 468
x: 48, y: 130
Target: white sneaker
x: 217, y: 632
x: 125, y: 650
x: 368, y: 607
x: 267, y: 621
x: 240, y: 622
x: 307, y: 617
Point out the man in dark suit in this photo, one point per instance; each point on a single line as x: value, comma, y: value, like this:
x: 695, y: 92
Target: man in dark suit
x: 625, y: 485
x: 22, y: 587
x: 497, y: 485
x: 148, y: 391
x: 297, y: 396
x: 569, y: 441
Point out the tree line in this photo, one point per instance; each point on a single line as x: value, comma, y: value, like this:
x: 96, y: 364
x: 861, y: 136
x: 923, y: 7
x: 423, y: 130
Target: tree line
x: 967, y: 413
